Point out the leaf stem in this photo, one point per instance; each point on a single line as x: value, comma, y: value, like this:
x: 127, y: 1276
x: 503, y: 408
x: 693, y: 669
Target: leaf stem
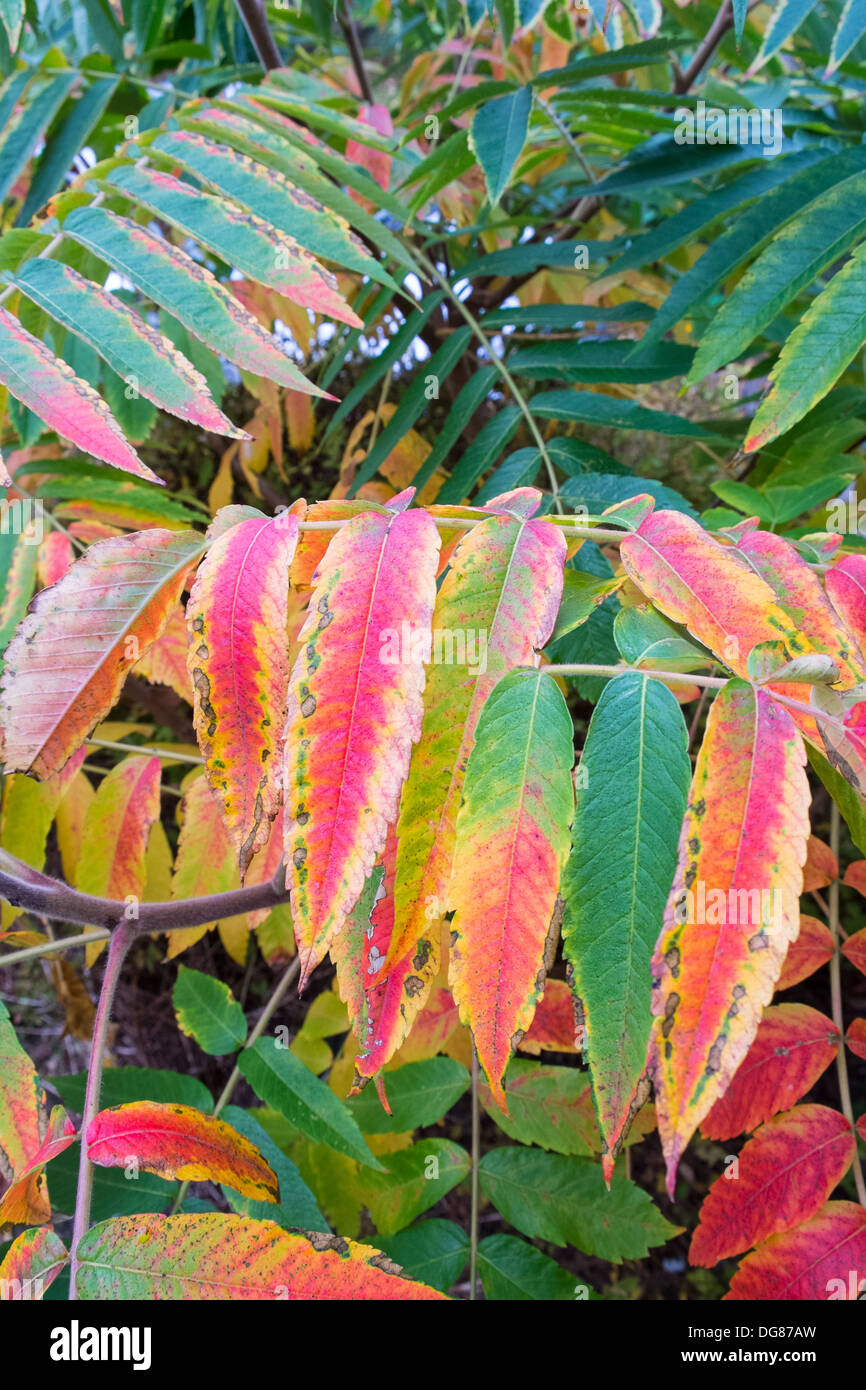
x: 836, y: 999
x: 476, y: 1155
x: 120, y: 942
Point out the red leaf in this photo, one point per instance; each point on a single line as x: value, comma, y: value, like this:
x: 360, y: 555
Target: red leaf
x: 825, y: 1259
x: 784, y: 1176
x: 821, y: 866
x: 856, y: 1037
x: 794, y: 1044
x: 812, y: 949
x: 854, y: 949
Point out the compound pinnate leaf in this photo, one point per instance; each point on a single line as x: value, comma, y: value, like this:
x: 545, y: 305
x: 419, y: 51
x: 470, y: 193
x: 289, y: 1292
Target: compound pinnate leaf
x: 785, y: 1174
x: 218, y: 1256
x: 812, y: 949
x: 31, y: 1263
x: 822, y: 1260
x: 564, y: 1200
x: 846, y: 585
x: 511, y: 846
x: 496, y: 607
x: 50, y: 388
x: 637, y: 742
x: 237, y: 615
x: 187, y: 290
x: 66, y: 664
x: 126, y: 341
x: 354, y: 711
x: 708, y: 587
x: 206, y: 1010
x: 794, y: 1044
x: 176, y: 1141
x: 733, y: 909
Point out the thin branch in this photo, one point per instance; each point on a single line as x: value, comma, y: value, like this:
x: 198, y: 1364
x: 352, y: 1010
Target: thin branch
x: 675, y: 677
x: 838, y: 1016
x: 353, y: 43
x: 252, y: 12
x: 476, y: 1156
x: 723, y: 21
x: 49, y: 897
x: 53, y: 948
x: 120, y: 943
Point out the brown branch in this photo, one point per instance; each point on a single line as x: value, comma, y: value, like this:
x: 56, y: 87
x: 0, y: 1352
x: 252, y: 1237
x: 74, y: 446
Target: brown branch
x: 353, y: 43
x: 252, y: 12
x: 49, y: 897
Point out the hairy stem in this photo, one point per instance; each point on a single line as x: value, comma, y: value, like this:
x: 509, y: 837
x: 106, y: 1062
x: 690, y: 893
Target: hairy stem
x: 836, y: 998
x: 120, y: 943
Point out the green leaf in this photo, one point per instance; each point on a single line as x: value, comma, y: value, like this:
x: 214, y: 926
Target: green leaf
x: 520, y: 469
x: 548, y: 1106
x: 434, y: 1252
x: 600, y: 360
x: 644, y: 638
x: 852, y: 23
x: 497, y: 137
x: 786, y: 20
x: 64, y: 142
x: 297, y: 1206
x: 207, y: 1010
x: 797, y: 255
x: 592, y: 642
x: 122, y: 1085
x: 22, y: 133
x: 416, y: 1178
x: 397, y: 346
x: 470, y: 398
x: 637, y: 743
x: 846, y: 798
x: 581, y: 593
x: 511, y: 1269
x: 419, y: 1093
x: 590, y: 408
x: 827, y: 338
x: 282, y: 1081
x: 564, y: 1200
x: 597, y: 491
x: 748, y: 234
x: 12, y: 17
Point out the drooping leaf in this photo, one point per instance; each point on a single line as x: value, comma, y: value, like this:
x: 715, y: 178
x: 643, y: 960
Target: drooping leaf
x: 139, y: 353
x: 176, y: 1141
x: 216, y: 1256
x: 20, y: 1136
x: 238, y: 664
x: 206, y: 862
x: 207, y: 1011
x: 354, y: 711
x: 81, y: 637
x: 50, y: 388
x: 823, y: 1259
x: 785, y: 1174
x: 846, y: 585
x: 733, y: 909
x: 636, y: 741
x: 187, y: 290
x: 511, y: 845
x: 495, y: 608
x: 794, y: 1044
x: 497, y: 137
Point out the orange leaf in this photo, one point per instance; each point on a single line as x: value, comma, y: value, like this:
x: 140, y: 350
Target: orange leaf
x: 812, y: 949
x: 820, y: 867
x: 854, y: 949
x: 733, y: 908
x: 177, y: 1141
